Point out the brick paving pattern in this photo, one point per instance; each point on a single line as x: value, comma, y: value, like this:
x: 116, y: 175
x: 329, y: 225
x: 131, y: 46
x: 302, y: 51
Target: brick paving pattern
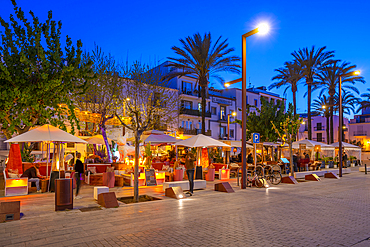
x: 326, y: 213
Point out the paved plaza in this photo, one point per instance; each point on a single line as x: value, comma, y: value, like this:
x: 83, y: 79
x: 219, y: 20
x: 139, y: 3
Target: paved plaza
x: 326, y: 213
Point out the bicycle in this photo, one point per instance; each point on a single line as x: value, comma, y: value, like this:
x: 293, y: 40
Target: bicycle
x: 273, y: 174
x: 256, y: 178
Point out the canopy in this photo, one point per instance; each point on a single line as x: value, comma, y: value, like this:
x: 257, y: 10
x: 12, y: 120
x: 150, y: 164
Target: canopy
x: 156, y: 139
x: 346, y: 145
x: 311, y: 144
x: 237, y: 144
x: 98, y: 139
x: 201, y: 141
x: 274, y: 144
x: 46, y: 133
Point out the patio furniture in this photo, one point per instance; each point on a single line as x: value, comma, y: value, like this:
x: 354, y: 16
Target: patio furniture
x: 108, y: 179
x: 15, y: 186
x: 198, y: 184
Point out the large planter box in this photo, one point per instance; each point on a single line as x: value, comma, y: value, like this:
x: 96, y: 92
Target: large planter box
x: 210, y: 175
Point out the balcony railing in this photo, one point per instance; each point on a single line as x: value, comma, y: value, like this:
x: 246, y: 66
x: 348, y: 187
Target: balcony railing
x: 360, y: 133
x: 318, y: 128
x: 322, y: 139
x: 194, y: 131
x: 193, y: 112
x: 189, y: 92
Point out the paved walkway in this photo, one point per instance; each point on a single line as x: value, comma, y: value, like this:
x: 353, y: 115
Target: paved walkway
x: 326, y: 213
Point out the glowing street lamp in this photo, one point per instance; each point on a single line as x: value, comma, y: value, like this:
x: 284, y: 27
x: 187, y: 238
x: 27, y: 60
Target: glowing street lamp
x: 357, y: 72
x: 228, y: 123
x: 262, y: 29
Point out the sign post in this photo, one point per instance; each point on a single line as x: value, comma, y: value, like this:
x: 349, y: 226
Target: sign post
x: 256, y: 139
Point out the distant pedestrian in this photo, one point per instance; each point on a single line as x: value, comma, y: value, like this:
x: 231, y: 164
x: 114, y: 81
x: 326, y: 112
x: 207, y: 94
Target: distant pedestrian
x: 344, y: 159
x: 250, y: 158
x: 79, y: 170
x: 306, y: 156
x: 295, y: 162
x: 189, y: 164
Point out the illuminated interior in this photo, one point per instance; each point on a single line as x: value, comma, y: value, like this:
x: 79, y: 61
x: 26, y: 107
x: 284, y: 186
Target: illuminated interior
x: 11, y: 183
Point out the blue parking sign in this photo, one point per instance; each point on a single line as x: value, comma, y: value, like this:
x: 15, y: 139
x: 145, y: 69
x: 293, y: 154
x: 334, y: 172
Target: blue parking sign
x: 256, y: 137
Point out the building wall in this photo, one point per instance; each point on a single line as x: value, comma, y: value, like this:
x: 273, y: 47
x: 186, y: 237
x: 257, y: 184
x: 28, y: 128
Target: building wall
x: 319, y: 126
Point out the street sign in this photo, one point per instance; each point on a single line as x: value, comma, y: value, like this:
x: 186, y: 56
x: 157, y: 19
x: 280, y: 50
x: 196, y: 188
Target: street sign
x: 256, y: 137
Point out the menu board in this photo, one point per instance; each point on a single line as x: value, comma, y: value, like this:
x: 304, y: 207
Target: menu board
x: 150, y: 177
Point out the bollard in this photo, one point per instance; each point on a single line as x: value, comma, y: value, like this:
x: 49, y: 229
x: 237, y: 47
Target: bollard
x: 365, y: 168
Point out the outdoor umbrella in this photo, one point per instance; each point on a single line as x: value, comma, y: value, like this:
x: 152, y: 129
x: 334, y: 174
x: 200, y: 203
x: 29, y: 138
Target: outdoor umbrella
x: 201, y: 141
x: 98, y: 139
x: 350, y: 148
x: 47, y: 133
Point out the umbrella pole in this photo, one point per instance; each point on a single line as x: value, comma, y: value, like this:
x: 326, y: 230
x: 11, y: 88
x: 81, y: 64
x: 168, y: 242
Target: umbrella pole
x: 47, y: 164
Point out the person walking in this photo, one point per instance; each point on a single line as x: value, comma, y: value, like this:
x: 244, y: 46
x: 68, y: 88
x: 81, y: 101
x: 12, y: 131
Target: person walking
x: 189, y: 165
x: 344, y: 159
x: 79, y: 170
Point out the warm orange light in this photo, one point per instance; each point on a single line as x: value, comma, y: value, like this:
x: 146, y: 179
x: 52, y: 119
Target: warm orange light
x: 357, y: 72
x: 127, y: 99
x: 142, y: 176
x: 233, y: 114
x: 160, y: 175
x: 16, y: 182
x: 223, y: 171
x: 324, y: 106
x: 227, y: 84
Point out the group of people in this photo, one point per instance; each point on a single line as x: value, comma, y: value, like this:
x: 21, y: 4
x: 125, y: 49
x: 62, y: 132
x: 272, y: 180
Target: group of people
x: 33, y: 174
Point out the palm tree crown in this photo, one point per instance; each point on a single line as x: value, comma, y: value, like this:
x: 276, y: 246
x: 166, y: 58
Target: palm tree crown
x: 310, y: 62
x: 288, y: 77
x: 199, y: 57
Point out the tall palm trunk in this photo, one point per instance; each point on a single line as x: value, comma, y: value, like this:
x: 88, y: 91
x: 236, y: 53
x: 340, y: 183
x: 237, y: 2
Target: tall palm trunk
x: 327, y: 128
x: 204, y: 102
x: 309, y: 89
x: 331, y: 102
x: 294, y: 101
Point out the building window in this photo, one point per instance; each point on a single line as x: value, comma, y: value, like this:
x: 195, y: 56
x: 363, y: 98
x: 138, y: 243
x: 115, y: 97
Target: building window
x: 319, y: 126
x: 213, y: 110
x: 222, y: 112
x: 319, y: 137
x: 246, y: 100
x: 231, y: 133
x: 200, y: 107
x: 186, y: 87
x: 222, y: 132
x: 186, y: 104
x: 255, y: 103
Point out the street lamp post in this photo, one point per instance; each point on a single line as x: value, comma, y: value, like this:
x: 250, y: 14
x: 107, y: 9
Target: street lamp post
x: 340, y: 131
x: 263, y: 29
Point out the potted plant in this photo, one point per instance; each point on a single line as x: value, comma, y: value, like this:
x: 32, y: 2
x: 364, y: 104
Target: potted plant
x: 148, y: 157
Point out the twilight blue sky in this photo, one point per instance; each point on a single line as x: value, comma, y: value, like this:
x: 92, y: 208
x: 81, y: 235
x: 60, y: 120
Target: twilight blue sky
x: 146, y: 30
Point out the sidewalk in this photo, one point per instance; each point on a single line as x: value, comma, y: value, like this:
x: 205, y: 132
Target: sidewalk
x: 327, y: 213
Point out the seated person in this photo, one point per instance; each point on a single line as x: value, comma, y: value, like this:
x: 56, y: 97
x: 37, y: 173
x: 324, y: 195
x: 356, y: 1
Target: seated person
x: 33, y: 175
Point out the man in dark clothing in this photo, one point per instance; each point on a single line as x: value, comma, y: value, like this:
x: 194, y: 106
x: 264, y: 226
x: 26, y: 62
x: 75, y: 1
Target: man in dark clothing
x: 250, y: 158
x: 295, y: 162
x: 189, y: 164
x: 344, y: 160
x: 33, y: 175
x: 79, y: 170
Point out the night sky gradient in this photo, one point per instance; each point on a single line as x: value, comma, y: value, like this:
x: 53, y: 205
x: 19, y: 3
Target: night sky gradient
x: 146, y: 30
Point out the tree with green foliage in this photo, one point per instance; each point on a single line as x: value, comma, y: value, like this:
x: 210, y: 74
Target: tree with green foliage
x: 203, y: 59
x: 260, y: 120
x: 287, y: 131
x: 149, y: 104
x: 37, y: 74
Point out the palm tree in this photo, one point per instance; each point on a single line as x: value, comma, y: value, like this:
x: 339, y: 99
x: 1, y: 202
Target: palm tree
x: 311, y: 62
x: 364, y: 103
x: 349, y: 104
x: 318, y: 106
x: 288, y: 77
x: 202, y: 58
x: 328, y: 78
